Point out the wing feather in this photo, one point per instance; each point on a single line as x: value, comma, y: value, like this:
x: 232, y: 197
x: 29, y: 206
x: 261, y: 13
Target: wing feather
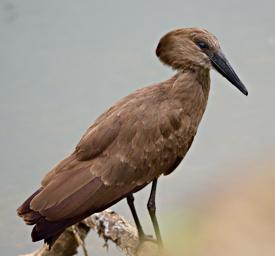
x: 125, y: 149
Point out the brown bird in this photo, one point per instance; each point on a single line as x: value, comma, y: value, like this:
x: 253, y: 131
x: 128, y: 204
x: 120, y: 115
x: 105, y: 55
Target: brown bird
x: 144, y: 135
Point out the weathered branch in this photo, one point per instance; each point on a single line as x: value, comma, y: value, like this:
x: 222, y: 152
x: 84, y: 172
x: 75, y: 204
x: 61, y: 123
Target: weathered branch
x: 109, y: 226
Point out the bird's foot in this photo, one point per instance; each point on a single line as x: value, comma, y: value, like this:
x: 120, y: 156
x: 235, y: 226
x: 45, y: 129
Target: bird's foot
x: 143, y: 243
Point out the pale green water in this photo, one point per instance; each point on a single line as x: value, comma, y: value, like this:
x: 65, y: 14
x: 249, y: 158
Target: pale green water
x: 62, y: 63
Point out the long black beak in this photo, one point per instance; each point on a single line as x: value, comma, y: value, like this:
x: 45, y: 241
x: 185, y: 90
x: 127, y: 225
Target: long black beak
x: 221, y: 64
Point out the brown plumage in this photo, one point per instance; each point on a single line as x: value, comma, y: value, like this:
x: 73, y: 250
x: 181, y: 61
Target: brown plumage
x: 144, y: 135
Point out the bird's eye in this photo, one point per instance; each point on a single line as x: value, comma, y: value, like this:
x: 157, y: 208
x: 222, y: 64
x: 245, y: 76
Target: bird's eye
x: 202, y: 45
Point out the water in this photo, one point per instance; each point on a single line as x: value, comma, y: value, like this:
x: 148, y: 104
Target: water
x: 62, y: 63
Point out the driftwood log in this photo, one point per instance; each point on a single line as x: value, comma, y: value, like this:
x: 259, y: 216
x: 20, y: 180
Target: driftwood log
x: 110, y: 226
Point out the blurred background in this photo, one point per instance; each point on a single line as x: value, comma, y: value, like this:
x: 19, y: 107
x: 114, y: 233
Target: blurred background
x: 62, y: 63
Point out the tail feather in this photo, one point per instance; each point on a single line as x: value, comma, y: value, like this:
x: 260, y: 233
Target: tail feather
x: 51, y: 230
x: 47, y: 230
x: 25, y: 207
x: 43, y: 229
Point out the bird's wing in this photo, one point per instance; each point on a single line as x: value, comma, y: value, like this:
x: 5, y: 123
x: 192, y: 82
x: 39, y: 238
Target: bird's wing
x: 68, y: 186
x: 123, y: 151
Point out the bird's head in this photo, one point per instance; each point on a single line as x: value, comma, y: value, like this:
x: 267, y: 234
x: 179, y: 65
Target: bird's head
x: 192, y: 48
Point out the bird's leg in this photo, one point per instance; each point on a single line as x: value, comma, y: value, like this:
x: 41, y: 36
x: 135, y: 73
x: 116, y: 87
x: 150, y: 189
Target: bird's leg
x: 151, y: 206
x: 142, y: 237
x: 130, y: 201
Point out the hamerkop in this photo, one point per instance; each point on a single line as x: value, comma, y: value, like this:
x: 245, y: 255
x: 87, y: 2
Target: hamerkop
x: 144, y: 135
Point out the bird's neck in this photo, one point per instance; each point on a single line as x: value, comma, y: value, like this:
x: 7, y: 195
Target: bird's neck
x: 192, y: 79
x: 191, y: 89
